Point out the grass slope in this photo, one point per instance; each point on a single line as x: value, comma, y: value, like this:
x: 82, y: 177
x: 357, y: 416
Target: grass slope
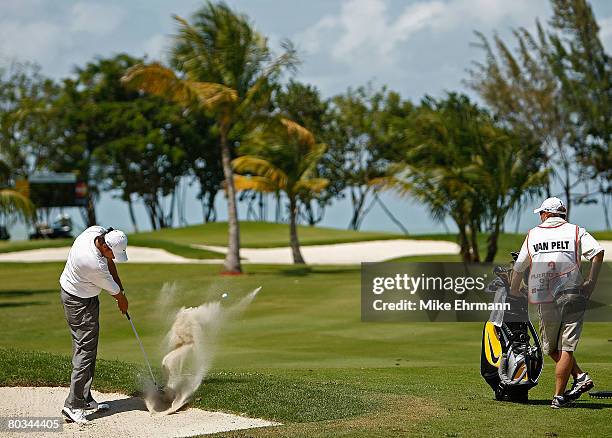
x: 263, y: 235
x: 300, y: 355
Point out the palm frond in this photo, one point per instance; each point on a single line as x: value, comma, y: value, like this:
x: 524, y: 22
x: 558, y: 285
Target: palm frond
x: 256, y: 183
x: 159, y: 80
x: 14, y: 203
x: 260, y: 167
x: 211, y: 95
x: 162, y: 81
x: 297, y: 131
x: 313, y: 185
x: 312, y: 159
x: 392, y: 183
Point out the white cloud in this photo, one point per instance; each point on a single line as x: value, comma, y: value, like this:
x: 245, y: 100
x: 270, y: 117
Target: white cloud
x: 365, y: 32
x: 605, y: 32
x: 95, y: 18
x: 366, y: 25
x: 35, y: 40
x: 155, y: 47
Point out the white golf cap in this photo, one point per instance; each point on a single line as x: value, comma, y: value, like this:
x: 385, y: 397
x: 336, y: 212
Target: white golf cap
x: 117, y: 241
x: 551, y: 205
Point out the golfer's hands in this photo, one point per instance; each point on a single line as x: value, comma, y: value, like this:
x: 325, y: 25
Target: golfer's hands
x: 122, y: 302
x: 587, y: 288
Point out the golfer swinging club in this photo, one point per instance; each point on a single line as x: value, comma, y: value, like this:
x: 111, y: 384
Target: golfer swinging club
x: 552, y: 252
x: 89, y: 268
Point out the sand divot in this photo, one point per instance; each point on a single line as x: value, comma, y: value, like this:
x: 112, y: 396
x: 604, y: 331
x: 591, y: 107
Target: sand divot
x: 128, y: 416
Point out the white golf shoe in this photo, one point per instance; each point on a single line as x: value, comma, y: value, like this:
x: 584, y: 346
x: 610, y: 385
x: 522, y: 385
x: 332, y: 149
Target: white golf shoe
x: 75, y: 415
x: 95, y: 406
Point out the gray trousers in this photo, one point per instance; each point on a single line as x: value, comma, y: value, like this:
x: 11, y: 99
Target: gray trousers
x: 82, y: 315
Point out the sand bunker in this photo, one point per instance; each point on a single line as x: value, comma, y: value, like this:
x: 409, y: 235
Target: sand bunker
x: 128, y: 416
x: 137, y: 254
x: 344, y: 253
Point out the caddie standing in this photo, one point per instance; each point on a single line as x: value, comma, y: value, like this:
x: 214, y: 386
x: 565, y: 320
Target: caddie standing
x: 89, y: 268
x: 552, y: 252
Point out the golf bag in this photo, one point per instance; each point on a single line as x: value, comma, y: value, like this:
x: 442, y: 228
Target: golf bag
x: 511, y: 359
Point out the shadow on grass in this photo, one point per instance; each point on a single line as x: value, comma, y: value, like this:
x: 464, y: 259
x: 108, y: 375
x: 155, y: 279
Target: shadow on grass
x: 302, y: 271
x: 23, y: 304
x: 577, y: 405
x: 25, y: 292
x: 120, y: 405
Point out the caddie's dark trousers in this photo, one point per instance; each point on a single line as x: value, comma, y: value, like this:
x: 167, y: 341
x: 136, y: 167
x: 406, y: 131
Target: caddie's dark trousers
x: 82, y: 315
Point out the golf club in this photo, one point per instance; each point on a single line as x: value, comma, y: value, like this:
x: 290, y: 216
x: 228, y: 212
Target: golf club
x: 143, y: 351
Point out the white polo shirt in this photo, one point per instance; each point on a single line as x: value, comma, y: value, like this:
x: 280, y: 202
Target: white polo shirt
x: 86, y: 271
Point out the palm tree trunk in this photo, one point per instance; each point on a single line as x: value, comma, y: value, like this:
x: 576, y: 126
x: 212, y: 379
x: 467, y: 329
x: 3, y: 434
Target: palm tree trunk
x: 231, y: 265
x: 91, y: 210
x: 208, y: 206
x: 492, y: 241
x: 604, y: 203
x: 293, y: 235
x: 358, y: 197
x: 464, y: 247
x: 132, y: 215
x: 277, y: 216
x: 567, y: 190
x: 474, y: 242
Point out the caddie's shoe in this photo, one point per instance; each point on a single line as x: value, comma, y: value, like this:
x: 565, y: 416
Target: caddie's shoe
x: 581, y: 385
x: 95, y: 406
x: 75, y: 415
x: 560, y: 401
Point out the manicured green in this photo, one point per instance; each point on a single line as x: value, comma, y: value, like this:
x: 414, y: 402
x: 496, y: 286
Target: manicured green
x: 263, y: 235
x: 23, y: 245
x: 300, y: 355
x: 602, y: 235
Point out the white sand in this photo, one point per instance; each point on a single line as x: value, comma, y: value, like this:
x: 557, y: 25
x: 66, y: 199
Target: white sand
x: 128, y: 416
x: 345, y: 253
x: 137, y: 254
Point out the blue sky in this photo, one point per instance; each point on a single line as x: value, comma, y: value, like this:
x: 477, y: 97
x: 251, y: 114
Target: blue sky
x: 415, y: 47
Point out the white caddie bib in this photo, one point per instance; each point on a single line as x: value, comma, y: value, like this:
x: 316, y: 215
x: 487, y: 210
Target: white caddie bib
x: 555, y: 261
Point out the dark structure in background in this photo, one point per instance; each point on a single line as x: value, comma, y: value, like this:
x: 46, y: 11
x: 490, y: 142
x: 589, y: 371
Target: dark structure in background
x: 53, y: 190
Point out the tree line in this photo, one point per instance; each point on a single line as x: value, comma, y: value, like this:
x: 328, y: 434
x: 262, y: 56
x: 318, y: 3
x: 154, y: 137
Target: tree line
x: 225, y: 113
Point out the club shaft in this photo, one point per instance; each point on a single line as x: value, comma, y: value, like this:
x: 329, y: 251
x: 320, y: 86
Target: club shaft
x: 143, y: 350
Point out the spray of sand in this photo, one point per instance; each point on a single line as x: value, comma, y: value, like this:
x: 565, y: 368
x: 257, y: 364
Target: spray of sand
x: 190, y: 347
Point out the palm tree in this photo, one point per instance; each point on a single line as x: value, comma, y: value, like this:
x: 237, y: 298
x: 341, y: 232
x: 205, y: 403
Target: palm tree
x: 287, y: 160
x: 12, y: 202
x: 225, y: 68
x: 463, y: 165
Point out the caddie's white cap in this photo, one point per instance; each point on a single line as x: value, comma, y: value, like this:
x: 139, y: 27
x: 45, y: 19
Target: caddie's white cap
x: 551, y: 205
x: 117, y: 241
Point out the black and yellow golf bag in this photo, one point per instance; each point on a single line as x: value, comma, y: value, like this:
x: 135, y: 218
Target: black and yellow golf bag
x: 511, y: 358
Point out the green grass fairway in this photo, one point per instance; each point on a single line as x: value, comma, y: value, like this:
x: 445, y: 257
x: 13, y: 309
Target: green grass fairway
x: 300, y: 355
